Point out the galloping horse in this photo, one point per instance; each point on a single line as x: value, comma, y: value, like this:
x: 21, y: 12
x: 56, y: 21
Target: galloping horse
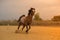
x: 27, y: 20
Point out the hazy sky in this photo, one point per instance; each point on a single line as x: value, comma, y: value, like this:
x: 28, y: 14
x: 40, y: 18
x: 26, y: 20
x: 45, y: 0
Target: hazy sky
x: 12, y: 9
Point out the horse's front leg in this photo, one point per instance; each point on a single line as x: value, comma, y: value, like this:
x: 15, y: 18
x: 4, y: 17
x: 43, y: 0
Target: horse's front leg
x: 28, y: 28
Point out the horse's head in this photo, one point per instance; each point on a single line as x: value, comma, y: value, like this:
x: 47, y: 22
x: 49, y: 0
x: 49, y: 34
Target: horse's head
x: 32, y: 11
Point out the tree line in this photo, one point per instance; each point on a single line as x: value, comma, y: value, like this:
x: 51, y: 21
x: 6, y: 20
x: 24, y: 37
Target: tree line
x: 37, y: 20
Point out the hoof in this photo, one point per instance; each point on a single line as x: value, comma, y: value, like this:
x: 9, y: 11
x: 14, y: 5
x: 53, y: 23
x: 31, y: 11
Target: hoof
x: 17, y: 31
x: 26, y: 31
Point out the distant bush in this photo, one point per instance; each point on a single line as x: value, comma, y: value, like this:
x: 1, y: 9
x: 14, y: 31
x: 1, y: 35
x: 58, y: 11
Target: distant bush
x: 56, y: 18
x: 34, y: 22
x: 37, y: 17
x: 8, y: 22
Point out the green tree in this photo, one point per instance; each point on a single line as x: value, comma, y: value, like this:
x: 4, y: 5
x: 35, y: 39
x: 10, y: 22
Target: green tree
x: 37, y: 17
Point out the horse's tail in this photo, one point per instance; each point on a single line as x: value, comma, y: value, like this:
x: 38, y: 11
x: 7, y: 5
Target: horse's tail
x: 20, y: 18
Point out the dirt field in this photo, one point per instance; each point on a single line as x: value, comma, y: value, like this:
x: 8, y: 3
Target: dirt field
x: 36, y: 33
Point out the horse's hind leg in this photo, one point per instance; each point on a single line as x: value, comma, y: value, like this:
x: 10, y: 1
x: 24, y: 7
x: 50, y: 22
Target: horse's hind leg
x: 19, y: 26
x: 27, y: 29
x: 23, y: 27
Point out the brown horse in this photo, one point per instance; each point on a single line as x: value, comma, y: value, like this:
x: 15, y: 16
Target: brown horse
x: 26, y: 21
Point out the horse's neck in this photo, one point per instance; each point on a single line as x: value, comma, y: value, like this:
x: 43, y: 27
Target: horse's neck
x: 30, y: 16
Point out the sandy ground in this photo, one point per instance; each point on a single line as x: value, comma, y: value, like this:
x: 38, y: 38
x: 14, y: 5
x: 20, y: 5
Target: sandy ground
x: 36, y: 33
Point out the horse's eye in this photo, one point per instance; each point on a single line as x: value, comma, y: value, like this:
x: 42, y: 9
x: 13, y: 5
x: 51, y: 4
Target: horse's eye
x: 33, y: 10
